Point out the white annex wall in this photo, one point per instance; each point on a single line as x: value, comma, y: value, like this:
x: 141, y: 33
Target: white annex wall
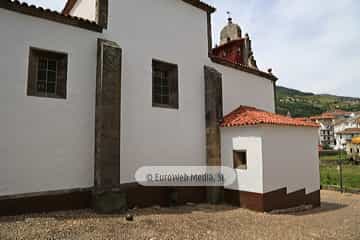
x: 85, y: 9
x: 250, y: 140
x: 277, y: 157
x: 171, y: 31
x: 45, y: 144
x: 291, y: 159
x: 241, y: 88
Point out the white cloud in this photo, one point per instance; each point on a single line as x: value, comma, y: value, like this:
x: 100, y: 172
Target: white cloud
x: 311, y: 45
x: 55, y: 4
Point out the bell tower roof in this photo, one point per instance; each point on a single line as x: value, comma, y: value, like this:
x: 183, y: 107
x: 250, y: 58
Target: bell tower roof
x: 230, y: 32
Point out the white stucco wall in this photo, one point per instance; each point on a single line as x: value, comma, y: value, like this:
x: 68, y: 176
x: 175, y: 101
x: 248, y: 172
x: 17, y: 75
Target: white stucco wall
x: 45, y: 144
x: 48, y: 144
x: 241, y: 88
x: 175, y: 32
x: 291, y: 159
x: 85, y: 9
x: 249, y: 140
x: 278, y: 157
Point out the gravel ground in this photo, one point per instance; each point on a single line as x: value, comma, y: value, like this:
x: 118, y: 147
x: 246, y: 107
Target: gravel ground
x: 338, y: 218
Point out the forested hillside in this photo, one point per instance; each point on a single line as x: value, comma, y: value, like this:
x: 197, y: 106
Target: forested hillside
x: 303, y: 104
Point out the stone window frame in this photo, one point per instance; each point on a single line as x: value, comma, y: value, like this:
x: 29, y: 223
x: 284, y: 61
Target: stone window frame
x: 240, y: 159
x: 61, y: 59
x: 170, y: 73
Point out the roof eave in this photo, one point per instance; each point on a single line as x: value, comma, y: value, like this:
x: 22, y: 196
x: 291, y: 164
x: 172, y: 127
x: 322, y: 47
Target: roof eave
x: 201, y: 5
x: 196, y: 3
x: 39, y: 12
x: 268, y: 124
x: 243, y: 68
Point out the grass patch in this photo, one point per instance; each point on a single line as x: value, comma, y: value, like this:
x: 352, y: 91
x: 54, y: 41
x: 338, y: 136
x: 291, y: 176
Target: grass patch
x: 330, y: 175
x: 330, y: 158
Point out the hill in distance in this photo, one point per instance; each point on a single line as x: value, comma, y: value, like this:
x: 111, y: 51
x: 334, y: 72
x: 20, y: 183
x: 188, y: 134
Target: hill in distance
x: 305, y: 104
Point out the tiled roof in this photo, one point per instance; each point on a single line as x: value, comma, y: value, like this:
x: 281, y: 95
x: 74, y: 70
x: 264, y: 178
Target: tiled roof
x: 32, y: 10
x: 353, y: 119
x: 350, y: 131
x: 340, y: 112
x: 331, y: 115
x: 196, y: 3
x: 243, y: 68
x: 302, y: 119
x: 323, y: 116
x: 244, y: 116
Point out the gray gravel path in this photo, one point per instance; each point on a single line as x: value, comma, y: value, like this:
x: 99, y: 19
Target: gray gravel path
x: 338, y: 218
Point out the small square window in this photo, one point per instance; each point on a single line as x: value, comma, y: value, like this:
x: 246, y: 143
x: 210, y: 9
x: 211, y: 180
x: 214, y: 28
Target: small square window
x: 47, y: 74
x: 240, y: 159
x: 165, y: 85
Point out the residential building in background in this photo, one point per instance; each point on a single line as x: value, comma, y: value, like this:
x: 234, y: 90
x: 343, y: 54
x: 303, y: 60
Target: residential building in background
x: 326, y: 131
x: 353, y: 149
x: 346, y: 136
x: 330, y: 123
x: 346, y: 129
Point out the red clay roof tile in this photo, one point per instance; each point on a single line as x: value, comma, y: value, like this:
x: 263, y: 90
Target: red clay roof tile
x: 196, y: 3
x: 350, y: 131
x: 35, y: 11
x: 244, y: 116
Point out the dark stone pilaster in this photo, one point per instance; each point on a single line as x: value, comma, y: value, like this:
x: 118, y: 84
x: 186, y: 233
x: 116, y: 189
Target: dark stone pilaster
x: 214, y: 114
x: 107, y: 132
x: 275, y: 97
x: 102, y: 13
x: 209, y: 31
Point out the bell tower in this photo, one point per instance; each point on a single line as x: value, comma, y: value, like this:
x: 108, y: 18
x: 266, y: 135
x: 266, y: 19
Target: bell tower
x: 230, y: 32
x: 234, y: 47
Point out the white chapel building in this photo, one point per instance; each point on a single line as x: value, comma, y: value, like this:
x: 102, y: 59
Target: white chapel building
x: 90, y: 95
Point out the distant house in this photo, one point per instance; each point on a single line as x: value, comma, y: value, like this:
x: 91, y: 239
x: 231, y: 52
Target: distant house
x: 344, y: 130
x: 327, y: 122
x: 353, y: 149
x: 326, y: 131
x: 346, y: 136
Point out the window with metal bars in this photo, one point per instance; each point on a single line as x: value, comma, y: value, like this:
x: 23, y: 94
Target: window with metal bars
x: 47, y: 74
x: 46, y: 80
x: 165, y: 85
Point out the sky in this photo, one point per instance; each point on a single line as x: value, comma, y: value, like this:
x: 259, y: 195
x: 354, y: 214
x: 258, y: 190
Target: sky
x: 311, y: 45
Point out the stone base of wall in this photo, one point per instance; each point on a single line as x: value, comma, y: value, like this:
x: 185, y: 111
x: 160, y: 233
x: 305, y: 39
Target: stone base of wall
x: 135, y: 195
x: 46, y: 202
x: 274, y: 200
x: 108, y: 202
x: 140, y: 196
